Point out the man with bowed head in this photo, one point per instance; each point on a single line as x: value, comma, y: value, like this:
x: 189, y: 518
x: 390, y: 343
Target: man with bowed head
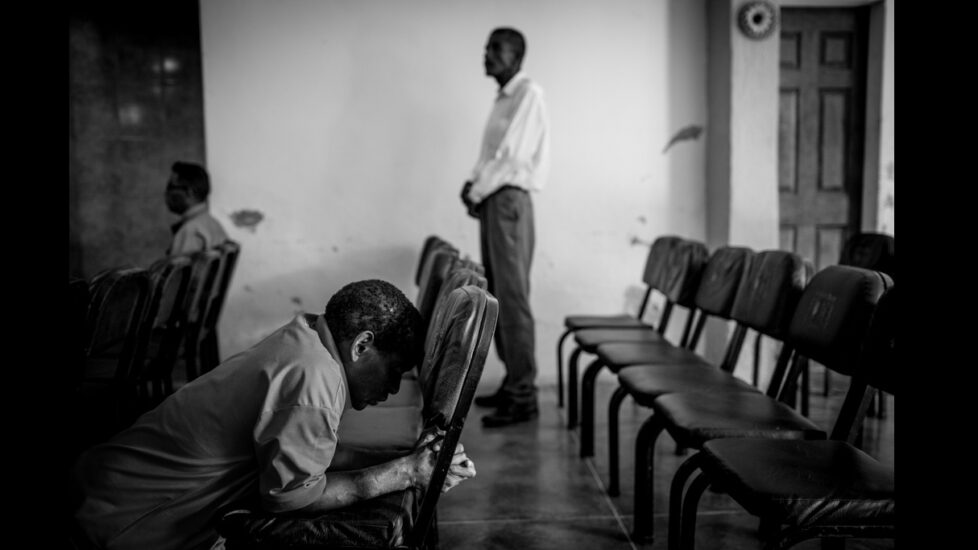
x: 265, y: 421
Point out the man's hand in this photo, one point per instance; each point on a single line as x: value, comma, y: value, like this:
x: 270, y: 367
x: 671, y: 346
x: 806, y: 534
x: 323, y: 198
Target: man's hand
x: 426, y: 454
x: 470, y: 207
x: 462, y: 468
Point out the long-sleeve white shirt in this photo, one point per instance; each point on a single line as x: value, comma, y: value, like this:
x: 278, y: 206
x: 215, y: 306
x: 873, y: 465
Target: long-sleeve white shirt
x: 516, y: 143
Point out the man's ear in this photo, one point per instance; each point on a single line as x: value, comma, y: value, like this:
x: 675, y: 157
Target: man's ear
x: 361, y: 343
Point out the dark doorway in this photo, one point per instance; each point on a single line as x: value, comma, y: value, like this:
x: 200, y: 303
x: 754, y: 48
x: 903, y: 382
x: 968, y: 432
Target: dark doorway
x: 135, y: 105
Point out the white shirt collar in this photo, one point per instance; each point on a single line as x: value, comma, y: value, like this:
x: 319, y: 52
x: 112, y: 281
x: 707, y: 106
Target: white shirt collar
x: 510, y: 86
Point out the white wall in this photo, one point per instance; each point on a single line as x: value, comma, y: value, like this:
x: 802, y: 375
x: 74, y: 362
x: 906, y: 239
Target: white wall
x: 886, y: 175
x: 351, y: 126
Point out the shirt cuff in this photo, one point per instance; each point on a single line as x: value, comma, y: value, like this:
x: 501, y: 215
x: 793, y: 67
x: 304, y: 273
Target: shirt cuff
x: 278, y: 501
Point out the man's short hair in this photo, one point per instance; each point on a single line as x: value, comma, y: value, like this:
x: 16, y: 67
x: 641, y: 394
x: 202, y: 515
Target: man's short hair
x: 194, y: 178
x: 514, y: 38
x: 382, y: 308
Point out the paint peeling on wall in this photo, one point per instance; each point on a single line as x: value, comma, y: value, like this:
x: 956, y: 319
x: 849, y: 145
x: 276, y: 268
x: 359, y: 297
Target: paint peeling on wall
x: 635, y: 241
x: 691, y: 132
x: 247, y: 219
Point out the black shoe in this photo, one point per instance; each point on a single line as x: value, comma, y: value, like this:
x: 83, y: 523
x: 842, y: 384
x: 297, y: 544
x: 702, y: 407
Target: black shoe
x: 511, y: 413
x: 495, y: 400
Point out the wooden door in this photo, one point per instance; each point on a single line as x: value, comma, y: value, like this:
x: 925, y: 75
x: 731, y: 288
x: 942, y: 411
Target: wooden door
x: 821, y: 129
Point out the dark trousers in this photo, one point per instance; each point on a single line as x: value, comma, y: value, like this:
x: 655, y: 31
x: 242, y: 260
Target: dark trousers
x: 507, y: 238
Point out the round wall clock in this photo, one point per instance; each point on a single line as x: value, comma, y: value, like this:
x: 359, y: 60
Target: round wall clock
x: 757, y: 19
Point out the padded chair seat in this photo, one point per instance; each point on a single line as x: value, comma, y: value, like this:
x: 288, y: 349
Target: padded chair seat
x: 804, y: 483
x: 693, y: 419
x: 576, y: 322
x: 376, y: 523
x: 623, y: 354
x: 647, y: 382
x: 590, y: 338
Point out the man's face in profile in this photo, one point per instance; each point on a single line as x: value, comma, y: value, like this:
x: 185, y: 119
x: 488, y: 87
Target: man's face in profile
x: 177, y: 196
x: 373, y: 378
x: 499, y: 56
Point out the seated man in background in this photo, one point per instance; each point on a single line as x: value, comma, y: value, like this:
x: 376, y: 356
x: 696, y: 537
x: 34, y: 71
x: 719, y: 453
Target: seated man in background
x: 186, y: 196
x: 264, y: 422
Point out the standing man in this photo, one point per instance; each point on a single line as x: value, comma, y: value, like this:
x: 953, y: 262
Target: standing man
x: 186, y: 196
x: 513, y: 162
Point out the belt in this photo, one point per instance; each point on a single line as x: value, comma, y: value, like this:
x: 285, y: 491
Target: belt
x: 505, y: 187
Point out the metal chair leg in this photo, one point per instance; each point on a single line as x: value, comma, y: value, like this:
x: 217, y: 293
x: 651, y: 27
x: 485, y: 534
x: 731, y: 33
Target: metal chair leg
x: 642, y: 523
x: 805, y: 388
x: 560, y: 368
x: 687, y: 526
x: 572, y: 385
x: 676, y: 497
x: 614, y: 407
x: 587, y: 407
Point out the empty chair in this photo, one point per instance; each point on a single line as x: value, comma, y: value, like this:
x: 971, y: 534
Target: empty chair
x: 871, y: 251
x: 159, y: 339
x: 207, y: 265
x: 682, y: 281
x: 765, y: 301
x: 454, y: 357
x: 675, y: 277
x: 207, y: 345
x: 431, y: 243
x: 658, y: 255
x: 434, y: 272
x: 827, y: 325
x: 118, y: 307
x: 812, y: 488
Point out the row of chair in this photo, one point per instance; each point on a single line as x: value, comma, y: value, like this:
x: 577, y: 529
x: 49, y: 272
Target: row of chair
x: 769, y: 292
x: 677, y: 282
x: 134, y: 325
x: 461, y: 316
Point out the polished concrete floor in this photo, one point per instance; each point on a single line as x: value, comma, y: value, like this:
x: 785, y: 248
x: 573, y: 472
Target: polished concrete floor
x: 532, y: 491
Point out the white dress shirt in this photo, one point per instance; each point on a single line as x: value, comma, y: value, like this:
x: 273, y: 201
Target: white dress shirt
x: 516, y: 144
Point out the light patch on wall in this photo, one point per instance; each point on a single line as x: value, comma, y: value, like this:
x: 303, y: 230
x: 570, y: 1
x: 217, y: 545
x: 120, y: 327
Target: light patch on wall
x: 130, y: 115
x: 171, y: 65
x: 691, y: 132
x: 247, y: 219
